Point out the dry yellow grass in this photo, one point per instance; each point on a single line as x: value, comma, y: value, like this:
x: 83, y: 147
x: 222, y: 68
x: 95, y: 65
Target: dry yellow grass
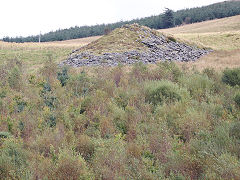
x: 218, y: 60
x: 221, y: 35
x: 73, y: 42
x: 34, y: 55
x: 217, y: 25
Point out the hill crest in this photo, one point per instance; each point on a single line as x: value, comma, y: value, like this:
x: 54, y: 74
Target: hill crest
x: 133, y: 43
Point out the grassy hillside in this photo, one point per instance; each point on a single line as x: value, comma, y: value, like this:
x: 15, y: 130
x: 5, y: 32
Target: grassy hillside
x: 212, y: 26
x: 34, y: 55
x: 218, y: 34
x: 221, y: 35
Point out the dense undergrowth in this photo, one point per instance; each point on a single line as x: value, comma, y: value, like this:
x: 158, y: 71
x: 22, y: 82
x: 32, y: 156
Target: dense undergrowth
x: 113, y: 123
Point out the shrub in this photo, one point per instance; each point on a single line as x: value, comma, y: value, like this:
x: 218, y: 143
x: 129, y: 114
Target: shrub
x: 79, y: 84
x: 210, y: 72
x: 170, y: 69
x: 85, y: 147
x: 5, y: 134
x: 171, y: 38
x: 159, y: 92
x: 86, y: 103
x: 20, y: 103
x: 119, y: 119
x: 63, y: 76
x: 198, y: 85
x: 122, y: 98
x: 71, y: 166
x: 235, y: 130
x: 48, y: 96
x: 110, y: 160
x: 51, y: 120
x: 140, y: 71
x: 13, y: 160
x: 231, y: 77
x: 14, y: 78
x: 237, y: 99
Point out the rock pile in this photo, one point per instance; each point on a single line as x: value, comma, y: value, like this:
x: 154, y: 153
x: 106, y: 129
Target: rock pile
x: 156, y: 47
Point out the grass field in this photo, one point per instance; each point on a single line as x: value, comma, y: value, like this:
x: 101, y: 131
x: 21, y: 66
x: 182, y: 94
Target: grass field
x: 221, y: 35
x: 212, y: 26
x: 34, y: 55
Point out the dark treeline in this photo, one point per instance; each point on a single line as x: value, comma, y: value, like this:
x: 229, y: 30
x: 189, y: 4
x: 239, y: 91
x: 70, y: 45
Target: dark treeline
x: 186, y: 16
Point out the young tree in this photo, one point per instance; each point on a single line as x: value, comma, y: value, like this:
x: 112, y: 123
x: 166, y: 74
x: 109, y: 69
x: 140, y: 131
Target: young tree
x: 168, y: 18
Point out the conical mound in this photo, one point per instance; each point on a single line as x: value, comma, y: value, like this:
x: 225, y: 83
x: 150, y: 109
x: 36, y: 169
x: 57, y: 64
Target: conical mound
x: 130, y: 44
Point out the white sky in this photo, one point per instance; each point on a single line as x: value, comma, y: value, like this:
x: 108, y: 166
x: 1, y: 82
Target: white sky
x: 29, y: 17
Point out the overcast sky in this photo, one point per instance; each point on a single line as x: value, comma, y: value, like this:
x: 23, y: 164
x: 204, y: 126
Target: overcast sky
x: 29, y: 17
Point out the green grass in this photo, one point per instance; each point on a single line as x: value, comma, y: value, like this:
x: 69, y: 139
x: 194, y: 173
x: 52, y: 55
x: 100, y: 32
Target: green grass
x: 34, y: 55
x: 34, y: 58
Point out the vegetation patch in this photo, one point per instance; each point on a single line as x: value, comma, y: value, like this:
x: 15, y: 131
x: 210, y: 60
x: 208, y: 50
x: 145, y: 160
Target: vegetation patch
x: 231, y: 77
x: 159, y: 92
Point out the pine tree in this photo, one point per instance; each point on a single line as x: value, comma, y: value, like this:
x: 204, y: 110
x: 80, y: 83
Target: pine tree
x: 168, y: 18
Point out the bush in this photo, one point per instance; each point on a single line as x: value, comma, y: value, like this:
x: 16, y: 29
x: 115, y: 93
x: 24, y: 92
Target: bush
x: 13, y: 161
x: 85, y: 147
x: 14, y: 78
x: 198, y: 85
x: 119, y: 119
x: 122, y: 98
x: 171, y: 38
x: 237, y: 99
x: 165, y: 70
x: 231, y: 77
x: 235, y: 130
x: 140, y: 71
x: 110, y: 160
x: 71, y: 166
x: 5, y: 134
x: 63, y: 76
x: 48, y: 96
x: 159, y: 92
x: 79, y: 84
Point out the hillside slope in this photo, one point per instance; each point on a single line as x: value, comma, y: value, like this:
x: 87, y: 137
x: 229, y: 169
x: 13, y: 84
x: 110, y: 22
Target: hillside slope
x: 216, y: 25
x: 220, y: 34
